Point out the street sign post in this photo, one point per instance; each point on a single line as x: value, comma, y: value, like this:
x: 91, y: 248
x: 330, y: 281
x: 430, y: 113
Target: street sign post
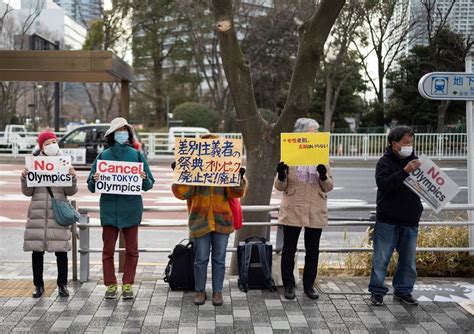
x: 457, y: 86
x: 447, y: 86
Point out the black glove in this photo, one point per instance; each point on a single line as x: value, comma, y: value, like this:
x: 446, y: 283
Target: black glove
x: 173, y: 165
x: 322, y: 172
x: 242, y: 171
x: 282, y: 170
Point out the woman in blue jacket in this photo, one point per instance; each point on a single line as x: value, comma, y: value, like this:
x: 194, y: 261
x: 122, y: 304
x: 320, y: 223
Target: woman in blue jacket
x: 120, y: 212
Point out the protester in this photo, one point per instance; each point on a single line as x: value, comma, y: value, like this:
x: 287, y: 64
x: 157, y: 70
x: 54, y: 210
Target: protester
x: 210, y: 223
x: 43, y: 233
x: 120, y: 212
x: 304, y: 204
x: 398, y: 214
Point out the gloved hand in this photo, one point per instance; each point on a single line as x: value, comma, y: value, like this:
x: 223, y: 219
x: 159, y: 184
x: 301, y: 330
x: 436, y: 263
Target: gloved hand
x: 173, y: 165
x: 242, y: 171
x: 282, y: 170
x: 322, y: 172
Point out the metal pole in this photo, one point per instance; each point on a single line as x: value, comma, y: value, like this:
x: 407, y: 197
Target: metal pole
x: 56, y: 106
x: 124, y: 99
x: 84, y: 245
x: 56, y: 97
x: 74, y: 247
x: 470, y: 154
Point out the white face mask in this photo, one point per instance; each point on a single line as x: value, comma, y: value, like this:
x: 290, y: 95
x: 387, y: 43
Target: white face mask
x: 51, y: 149
x: 405, y: 151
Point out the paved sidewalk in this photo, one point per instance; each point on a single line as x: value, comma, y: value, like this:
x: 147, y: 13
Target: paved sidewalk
x: 342, y: 308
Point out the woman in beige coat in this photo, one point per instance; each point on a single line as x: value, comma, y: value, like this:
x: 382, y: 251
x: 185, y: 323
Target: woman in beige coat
x: 42, y: 233
x: 304, y: 204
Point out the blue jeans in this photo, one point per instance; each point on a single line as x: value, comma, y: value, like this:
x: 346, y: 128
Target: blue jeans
x: 203, y: 245
x: 388, y: 237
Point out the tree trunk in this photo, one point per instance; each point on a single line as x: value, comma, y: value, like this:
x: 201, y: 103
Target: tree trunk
x: 442, y: 108
x: 327, y: 105
x: 380, y: 115
x: 262, y: 142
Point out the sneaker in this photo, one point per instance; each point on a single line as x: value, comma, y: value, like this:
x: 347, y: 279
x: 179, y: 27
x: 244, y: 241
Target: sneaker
x: 217, y: 299
x: 377, y: 300
x: 63, y: 291
x: 405, y: 298
x: 127, y: 292
x: 111, y: 292
x: 290, y: 292
x: 200, y: 298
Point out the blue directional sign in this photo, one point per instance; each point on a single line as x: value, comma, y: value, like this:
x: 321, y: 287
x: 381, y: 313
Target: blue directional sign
x: 447, y: 86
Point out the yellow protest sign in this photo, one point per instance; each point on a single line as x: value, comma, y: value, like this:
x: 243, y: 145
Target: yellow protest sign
x: 208, y: 162
x: 305, y: 149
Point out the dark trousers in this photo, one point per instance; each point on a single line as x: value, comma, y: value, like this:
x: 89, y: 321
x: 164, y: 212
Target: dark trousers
x: 38, y: 260
x: 290, y: 243
x: 109, y: 237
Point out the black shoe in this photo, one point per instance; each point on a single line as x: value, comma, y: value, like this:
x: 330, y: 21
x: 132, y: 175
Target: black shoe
x: 406, y: 298
x: 290, y: 292
x: 63, y: 291
x: 377, y: 300
x: 39, y: 290
x: 311, y: 293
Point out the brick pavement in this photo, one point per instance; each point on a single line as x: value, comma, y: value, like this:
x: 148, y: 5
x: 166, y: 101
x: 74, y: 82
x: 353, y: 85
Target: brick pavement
x: 156, y: 309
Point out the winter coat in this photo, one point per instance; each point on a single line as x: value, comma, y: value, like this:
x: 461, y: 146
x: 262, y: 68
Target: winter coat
x: 209, y: 208
x: 396, y: 203
x: 121, y: 211
x: 42, y: 233
x: 303, y: 204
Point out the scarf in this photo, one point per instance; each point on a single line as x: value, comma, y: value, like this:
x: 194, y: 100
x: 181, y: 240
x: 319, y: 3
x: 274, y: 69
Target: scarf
x: 307, y: 174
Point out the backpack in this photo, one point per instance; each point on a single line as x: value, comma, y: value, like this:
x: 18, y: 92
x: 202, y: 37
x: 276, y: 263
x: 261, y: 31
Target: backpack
x: 179, y: 272
x: 254, y: 259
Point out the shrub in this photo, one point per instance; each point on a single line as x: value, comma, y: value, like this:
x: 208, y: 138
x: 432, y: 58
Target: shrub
x: 434, y: 264
x: 196, y: 114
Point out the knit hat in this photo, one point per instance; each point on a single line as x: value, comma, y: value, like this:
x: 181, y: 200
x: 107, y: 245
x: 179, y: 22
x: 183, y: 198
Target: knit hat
x: 44, y: 136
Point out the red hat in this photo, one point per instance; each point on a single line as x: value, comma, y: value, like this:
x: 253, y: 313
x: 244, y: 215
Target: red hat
x: 44, y: 136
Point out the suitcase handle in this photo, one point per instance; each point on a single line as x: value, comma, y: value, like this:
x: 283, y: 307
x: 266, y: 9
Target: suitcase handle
x: 262, y: 239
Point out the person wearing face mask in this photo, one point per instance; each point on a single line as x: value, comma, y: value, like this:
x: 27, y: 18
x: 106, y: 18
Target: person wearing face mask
x: 120, y: 212
x: 42, y: 233
x: 398, y: 214
x: 304, y: 204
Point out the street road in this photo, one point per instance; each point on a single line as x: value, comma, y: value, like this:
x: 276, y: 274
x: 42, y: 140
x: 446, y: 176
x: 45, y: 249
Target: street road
x: 353, y: 185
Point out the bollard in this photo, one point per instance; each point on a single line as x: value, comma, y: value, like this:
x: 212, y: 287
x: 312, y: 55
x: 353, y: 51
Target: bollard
x: 84, y: 245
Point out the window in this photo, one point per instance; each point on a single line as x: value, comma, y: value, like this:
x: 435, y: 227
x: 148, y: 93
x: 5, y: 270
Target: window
x: 77, y: 137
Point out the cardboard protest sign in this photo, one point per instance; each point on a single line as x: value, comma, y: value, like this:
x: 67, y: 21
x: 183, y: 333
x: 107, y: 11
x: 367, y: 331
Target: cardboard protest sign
x: 305, y: 149
x: 78, y: 155
x: 119, y: 177
x: 432, y: 184
x: 208, y: 162
x: 44, y: 171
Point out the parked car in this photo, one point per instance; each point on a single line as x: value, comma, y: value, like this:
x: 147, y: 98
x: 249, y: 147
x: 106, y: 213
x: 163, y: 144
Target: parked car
x: 186, y: 132
x: 92, y: 139
x: 15, y: 133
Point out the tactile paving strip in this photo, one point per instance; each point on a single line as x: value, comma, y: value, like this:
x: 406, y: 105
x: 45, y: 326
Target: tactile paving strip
x: 24, y: 288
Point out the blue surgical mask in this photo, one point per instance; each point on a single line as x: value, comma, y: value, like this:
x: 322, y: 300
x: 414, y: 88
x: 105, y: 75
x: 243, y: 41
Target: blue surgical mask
x: 121, y: 137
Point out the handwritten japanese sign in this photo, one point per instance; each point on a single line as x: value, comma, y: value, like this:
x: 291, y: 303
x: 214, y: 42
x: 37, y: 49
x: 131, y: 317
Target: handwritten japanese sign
x: 208, y: 162
x: 305, y: 149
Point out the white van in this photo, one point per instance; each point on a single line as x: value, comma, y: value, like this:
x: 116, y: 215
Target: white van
x: 186, y: 132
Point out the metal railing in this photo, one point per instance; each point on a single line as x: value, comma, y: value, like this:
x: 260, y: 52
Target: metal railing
x: 342, y: 146
x: 84, y: 226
